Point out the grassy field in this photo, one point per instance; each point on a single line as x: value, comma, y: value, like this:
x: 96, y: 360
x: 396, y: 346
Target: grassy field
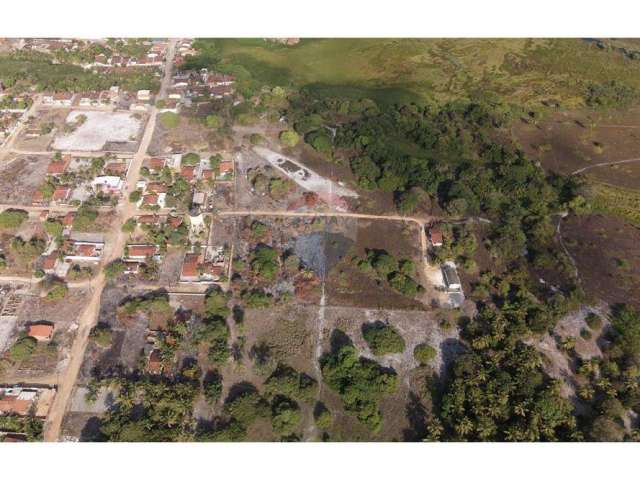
x: 518, y: 70
x: 620, y: 202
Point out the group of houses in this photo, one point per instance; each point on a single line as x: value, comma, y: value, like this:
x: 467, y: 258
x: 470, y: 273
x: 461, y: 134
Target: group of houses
x: 62, y: 186
x: 188, y: 86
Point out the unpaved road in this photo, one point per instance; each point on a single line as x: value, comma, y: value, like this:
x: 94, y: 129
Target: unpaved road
x: 114, y: 245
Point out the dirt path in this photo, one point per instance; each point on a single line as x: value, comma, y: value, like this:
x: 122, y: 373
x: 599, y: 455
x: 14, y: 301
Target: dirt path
x: 605, y: 164
x: 564, y: 248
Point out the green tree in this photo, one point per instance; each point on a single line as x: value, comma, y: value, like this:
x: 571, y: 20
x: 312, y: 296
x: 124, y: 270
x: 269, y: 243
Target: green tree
x: 382, y: 339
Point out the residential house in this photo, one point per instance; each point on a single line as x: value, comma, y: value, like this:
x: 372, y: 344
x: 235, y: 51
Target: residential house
x: 42, y: 332
x: 108, y: 184
x: 61, y: 194
x: 141, y: 252
x: 17, y: 401
x: 225, y: 168
x: 206, y: 266
x: 435, y: 237
x: 58, y: 167
x: 49, y: 262
x: 116, y: 168
x: 83, y: 251
x: 450, y: 276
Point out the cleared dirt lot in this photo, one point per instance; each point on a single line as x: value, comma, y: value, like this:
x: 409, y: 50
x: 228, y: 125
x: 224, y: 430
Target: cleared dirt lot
x: 100, y: 131
x: 21, y: 177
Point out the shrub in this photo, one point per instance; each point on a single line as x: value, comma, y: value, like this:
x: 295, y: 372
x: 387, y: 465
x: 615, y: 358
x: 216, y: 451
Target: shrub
x: 190, y: 159
x: 322, y: 416
x: 129, y: 226
x: 12, y: 218
x: 289, y: 138
x: 58, y: 292
x: 102, y: 335
x: 285, y: 415
x: 257, y: 299
x: 594, y: 321
x: 114, y: 269
x: 135, y: 196
x: 247, y: 407
x: 212, y: 386
x: 169, y: 119
x: 22, y: 349
x: 382, y: 339
x: 424, y: 354
x: 53, y: 228
x: 214, y: 121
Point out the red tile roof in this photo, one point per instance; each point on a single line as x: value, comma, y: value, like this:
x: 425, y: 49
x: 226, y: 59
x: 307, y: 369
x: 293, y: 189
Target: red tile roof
x: 86, y: 250
x: 188, y: 171
x: 151, y: 199
x: 190, y: 265
x: 40, y: 331
x: 225, y: 167
x: 61, y: 193
x: 142, y: 250
x: 157, y: 187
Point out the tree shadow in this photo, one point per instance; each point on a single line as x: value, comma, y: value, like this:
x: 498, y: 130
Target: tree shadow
x: 91, y: 431
x: 417, y: 416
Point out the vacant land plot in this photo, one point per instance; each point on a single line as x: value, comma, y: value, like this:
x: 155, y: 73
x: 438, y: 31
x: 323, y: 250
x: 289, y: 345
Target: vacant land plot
x: 48, y: 359
x: 100, y: 131
x: 22, y: 177
x: 607, y: 253
x: 188, y: 135
x: 565, y: 142
x: 349, y: 286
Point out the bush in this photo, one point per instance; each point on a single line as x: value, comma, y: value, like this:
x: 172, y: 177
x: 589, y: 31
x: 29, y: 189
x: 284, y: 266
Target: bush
x: 256, y: 139
x: 265, y: 262
x: 257, y: 299
x: 102, y: 335
x: 23, y: 348
x: 247, y: 407
x: 135, y: 196
x: 285, y: 415
x: 287, y: 381
x: 58, y: 292
x: 114, y: 269
x: 382, y: 339
x: 190, y: 159
x: 214, y: 121
x: 53, y: 228
x: 424, y: 354
x: 129, y: 226
x: 289, y: 138
x: 403, y: 284
x: 212, y: 386
x: 12, y: 218
x: 322, y: 416
x: 169, y: 119
x: 594, y: 321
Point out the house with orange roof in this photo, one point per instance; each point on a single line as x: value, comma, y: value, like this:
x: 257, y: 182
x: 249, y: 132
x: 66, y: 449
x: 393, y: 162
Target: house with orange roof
x: 43, y: 332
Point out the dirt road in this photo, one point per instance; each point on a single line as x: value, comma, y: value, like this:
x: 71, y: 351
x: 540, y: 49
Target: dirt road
x: 115, y: 241
x: 8, y: 144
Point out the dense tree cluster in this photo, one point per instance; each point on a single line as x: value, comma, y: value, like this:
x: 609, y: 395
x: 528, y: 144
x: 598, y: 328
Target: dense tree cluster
x: 360, y: 382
